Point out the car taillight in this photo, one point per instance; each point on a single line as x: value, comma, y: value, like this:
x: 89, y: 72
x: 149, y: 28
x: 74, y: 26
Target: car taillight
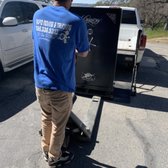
x: 142, y: 42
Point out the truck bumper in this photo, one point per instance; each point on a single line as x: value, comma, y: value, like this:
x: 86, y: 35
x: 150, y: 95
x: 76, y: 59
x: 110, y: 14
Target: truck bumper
x: 126, y: 60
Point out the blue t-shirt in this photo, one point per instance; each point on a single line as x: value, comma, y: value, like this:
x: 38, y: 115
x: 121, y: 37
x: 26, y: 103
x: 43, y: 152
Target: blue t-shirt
x: 57, y: 33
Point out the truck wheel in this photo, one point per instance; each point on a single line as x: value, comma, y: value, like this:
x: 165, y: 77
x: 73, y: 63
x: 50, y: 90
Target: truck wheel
x: 1, y: 71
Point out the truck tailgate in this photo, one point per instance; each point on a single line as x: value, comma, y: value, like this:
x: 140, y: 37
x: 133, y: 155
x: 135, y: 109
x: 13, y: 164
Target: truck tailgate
x: 128, y: 37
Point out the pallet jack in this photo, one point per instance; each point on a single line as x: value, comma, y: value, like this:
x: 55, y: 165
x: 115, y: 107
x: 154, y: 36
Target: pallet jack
x: 81, y: 123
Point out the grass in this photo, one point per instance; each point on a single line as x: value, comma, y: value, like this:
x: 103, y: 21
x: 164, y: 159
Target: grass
x: 156, y: 33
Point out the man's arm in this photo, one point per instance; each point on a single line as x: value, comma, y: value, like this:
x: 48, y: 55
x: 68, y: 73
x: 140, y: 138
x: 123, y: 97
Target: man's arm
x: 82, y: 45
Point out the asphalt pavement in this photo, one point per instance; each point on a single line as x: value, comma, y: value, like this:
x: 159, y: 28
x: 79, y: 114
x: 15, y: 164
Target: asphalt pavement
x: 126, y: 134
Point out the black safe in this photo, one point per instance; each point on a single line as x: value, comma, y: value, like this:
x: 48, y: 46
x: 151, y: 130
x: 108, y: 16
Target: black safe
x: 95, y: 73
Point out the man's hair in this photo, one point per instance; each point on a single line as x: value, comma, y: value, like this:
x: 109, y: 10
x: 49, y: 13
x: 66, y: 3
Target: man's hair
x: 62, y: 1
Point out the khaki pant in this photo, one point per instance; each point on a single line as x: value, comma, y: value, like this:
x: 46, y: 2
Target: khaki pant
x: 55, y: 108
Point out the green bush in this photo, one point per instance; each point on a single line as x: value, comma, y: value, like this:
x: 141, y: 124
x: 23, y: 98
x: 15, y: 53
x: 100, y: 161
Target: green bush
x: 156, y: 33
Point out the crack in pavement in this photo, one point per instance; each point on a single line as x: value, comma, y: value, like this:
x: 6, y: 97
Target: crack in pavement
x: 147, y: 148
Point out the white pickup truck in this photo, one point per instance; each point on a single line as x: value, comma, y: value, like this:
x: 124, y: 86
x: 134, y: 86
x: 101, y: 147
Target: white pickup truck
x: 132, y: 40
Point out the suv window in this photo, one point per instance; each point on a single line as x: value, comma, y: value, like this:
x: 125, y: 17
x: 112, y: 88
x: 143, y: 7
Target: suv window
x: 28, y: 11
x: 44, y: 6
x: 129, y: 17
x: 23, y: 11
x: 12, y: 9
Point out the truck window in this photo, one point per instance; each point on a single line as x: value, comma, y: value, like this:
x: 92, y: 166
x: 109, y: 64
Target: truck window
x: 129, y: 17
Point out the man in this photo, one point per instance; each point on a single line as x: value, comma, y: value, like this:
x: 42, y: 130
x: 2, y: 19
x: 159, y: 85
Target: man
x: 57, y: 35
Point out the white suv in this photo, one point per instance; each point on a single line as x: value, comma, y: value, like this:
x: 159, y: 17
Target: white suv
x: 16, y: 47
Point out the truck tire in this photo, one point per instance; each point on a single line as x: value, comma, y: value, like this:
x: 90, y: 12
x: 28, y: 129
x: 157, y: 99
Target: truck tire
x: 1, y: 71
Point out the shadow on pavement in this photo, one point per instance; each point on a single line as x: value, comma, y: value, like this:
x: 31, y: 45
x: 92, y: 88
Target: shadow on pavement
x: 143, y: 101
x: 150, y: 103
x: 16, y: 91
x: 156, y: 75
x: 151, y: 75
x: 139, y: 166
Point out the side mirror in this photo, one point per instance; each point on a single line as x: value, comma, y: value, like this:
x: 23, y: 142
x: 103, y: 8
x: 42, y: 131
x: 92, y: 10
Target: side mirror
x: 9, y: 21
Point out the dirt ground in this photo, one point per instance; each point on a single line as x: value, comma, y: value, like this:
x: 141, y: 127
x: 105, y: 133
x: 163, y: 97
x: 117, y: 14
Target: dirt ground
x: 159, y: 40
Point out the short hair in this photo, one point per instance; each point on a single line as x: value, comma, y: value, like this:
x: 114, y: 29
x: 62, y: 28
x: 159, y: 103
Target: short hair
x: 61, y: 0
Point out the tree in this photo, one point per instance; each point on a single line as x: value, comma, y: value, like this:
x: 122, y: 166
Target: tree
x: 162, y: 1
x: 153, y: 12
x: 166, y: 3
x: 111, y: 2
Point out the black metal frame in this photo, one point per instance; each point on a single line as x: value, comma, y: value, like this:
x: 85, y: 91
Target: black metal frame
x: 95, y: 74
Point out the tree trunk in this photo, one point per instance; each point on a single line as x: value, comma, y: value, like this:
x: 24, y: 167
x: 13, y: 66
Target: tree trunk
x: 166, y: 26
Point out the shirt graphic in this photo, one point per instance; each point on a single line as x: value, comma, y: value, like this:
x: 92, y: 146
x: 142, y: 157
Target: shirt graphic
x: 55, y: 30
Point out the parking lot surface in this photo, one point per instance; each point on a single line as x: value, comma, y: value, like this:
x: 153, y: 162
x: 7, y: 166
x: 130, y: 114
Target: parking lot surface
x: 126, y: 134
